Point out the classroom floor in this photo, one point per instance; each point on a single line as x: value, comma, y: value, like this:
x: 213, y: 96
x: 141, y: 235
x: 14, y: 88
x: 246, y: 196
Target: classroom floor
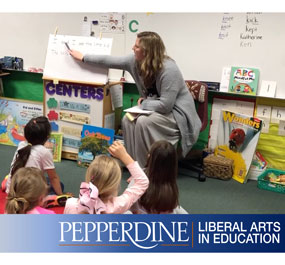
x: 210, y: 197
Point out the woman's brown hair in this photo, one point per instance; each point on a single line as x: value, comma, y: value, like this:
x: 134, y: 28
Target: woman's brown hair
x: 162, y: 168
x: 154, y: 55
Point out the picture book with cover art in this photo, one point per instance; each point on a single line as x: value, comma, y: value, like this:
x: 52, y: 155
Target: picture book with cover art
x: 237, y: 139
x: 244, y: 80
x: 94, y: 141
x: 54, y: 143
x: 258, y: 166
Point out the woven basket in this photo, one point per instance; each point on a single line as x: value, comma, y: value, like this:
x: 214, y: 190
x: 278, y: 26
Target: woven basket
x: 218, y: 167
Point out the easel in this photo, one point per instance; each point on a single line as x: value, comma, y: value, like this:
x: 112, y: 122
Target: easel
x: 70, y: 103
x: 99, y: 109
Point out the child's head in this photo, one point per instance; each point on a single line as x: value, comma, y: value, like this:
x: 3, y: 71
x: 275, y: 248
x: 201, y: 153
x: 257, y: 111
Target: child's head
x: 162, y: 163
x: 105, y: 173
x: 28, y: 188
x: 162, y: 169
x: 36, y: 131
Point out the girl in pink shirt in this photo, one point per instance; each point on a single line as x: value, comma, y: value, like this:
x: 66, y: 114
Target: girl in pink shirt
x: 99, y: 194
x: 27, y: 191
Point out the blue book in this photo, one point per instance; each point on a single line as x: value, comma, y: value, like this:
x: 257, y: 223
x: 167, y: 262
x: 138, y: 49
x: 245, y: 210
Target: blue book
x: 94, y: 141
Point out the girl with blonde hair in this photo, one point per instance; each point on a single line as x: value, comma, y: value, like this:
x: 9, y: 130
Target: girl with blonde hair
x: 27, y: 192
x: 99, y: 193
x: 162, y: 89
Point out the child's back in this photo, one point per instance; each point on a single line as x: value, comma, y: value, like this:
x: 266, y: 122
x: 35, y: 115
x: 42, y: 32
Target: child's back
x: 33, y: 153
x: 162, y: 194
x: 40, y: 157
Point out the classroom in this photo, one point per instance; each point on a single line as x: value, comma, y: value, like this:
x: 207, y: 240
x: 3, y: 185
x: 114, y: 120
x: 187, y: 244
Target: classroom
x: 212, y: 50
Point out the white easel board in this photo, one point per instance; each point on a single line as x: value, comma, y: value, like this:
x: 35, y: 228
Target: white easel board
x: 60, y: 65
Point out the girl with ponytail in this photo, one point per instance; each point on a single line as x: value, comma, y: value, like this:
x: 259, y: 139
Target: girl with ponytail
x: 27, y: 191
x: 33, y: 153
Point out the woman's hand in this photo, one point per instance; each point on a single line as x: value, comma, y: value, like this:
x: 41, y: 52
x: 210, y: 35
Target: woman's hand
x: 140, y: 100
x: 76, y: 54
x: 119, y: 151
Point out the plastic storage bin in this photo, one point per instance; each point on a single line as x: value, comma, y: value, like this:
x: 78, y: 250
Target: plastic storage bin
x: 265, y: 184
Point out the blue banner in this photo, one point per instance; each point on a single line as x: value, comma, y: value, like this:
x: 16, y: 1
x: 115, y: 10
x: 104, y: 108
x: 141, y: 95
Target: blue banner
x: 142, y: 233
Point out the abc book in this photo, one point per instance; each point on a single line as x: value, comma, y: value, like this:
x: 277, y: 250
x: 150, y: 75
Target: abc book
x: 244, y: 80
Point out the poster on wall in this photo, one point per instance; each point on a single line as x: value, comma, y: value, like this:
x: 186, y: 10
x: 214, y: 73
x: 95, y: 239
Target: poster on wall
x: 14, y: 115
x: 112, y: 22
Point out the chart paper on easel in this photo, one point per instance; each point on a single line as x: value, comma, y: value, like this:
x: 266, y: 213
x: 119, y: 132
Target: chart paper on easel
x: 60, y: 65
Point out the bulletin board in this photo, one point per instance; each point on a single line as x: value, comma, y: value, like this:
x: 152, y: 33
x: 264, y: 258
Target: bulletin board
x: 69, y: 106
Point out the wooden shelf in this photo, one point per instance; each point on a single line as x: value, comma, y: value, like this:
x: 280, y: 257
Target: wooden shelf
x: 241, y: 95
x: 4, y: 74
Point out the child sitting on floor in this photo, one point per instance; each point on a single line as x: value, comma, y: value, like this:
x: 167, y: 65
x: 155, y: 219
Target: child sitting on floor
x: 33, y: 153
x: 162, y: 194
x: 27, y: 191
x: 99, y: 194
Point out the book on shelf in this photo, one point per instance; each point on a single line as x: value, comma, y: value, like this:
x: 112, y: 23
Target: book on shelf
x: 94, y: 141
x: 258, y: 166
x: 244, y: 80
x: 237, y: 139
x: 225, y: 79
x: 54, y: 143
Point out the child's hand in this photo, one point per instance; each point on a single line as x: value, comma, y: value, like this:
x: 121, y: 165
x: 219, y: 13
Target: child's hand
x: 119, y: 151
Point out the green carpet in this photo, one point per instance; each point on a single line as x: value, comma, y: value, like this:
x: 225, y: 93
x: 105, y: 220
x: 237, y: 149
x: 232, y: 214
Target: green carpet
x: 210, y: 197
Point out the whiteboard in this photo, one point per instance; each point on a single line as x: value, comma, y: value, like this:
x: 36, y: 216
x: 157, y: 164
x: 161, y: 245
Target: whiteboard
x: 60, y: 65
x: 201, y: 43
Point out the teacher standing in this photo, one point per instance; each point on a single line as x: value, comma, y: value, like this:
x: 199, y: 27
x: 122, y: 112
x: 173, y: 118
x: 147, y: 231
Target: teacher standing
x: 162, y: 89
